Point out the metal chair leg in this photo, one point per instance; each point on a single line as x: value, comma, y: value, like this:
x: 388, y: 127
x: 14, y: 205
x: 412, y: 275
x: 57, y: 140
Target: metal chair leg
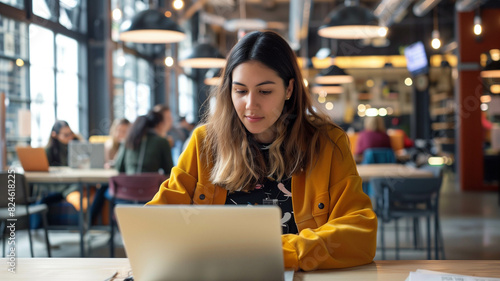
x: 2, y: 237
x: 45, y: 226
x: 31, y: 241
x: 428, y: 219
x: 439, y: 239
x: 416, y: 233
x: 382, y: 239
x: 112, y: 234
x: 397, y: 238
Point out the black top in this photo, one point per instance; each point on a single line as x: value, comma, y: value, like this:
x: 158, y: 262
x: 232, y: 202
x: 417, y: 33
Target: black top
x: 269, y: 192
x: 57, y: 154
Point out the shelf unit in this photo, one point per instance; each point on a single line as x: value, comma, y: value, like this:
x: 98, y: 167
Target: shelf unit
x: 442, y: 110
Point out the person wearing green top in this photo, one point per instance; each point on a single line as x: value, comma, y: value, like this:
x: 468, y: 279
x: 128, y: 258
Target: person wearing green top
x: 146, y: 149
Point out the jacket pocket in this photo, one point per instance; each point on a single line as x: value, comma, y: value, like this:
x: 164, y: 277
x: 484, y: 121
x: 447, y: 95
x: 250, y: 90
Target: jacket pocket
x: 203, y: 195
x: 321, y: 207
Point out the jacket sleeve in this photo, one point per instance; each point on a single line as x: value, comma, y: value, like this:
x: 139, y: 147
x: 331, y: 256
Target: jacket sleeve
x: 348, y: 237
x: 183, y: 180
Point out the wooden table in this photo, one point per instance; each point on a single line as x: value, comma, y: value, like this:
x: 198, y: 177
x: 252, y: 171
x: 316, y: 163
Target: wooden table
x: 69, y: 175
x: 99, y: 269
x: 368, y: 171
x: 82, y: 177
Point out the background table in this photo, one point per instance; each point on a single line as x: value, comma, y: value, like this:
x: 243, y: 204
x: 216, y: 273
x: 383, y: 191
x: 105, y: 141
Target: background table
x: 69, y: 175
x: 82, y: 177
x: 45, y: 269
x: 368, y: 171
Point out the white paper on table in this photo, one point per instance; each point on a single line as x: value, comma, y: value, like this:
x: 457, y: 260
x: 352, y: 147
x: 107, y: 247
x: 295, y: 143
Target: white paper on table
x: 289, y: 275
x: 429, y: 275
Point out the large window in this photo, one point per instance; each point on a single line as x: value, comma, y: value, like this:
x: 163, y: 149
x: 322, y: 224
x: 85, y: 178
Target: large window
x: 186, y: 98
x: 132, y: 74
x: 132, y: 91
x: 14, y: 81
x: 54, y: 82
x: 67, y: 81
x: 42, y: 78
x: 69, y: 13
x: 42, y: 84
x: 15, y: 3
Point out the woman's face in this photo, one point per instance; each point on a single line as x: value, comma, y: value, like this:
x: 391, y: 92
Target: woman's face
x: 65, y: 135
x: 121, y: 132
x: 258, y: 96
x: 165, y: 125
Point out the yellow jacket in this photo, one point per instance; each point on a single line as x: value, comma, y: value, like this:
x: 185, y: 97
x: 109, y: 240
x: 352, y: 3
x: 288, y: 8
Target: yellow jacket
x: 336, y: 223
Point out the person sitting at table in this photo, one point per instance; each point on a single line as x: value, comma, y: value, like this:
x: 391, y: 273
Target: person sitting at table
x: 57, y: 155
x: 57, y: 146
x: 373, y: 136
x: 146, y: 148
x: 118, y: 132
x: 263, y: 143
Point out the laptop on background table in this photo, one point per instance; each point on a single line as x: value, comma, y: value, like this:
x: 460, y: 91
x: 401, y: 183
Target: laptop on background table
x: 84, y: 155
x: 192, y: 242
x: 33, y: 159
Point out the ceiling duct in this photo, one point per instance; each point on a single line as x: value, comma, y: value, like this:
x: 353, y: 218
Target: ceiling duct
x: 421, y: 8
x: 300, y: 11
x: 391, y: 11
x: 468, y: 5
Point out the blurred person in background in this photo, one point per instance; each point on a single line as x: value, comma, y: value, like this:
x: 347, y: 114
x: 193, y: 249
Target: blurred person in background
x: 118, y: 132
x: 57, y: 146
x: 146, y: 148
x: 373, y: 136
x: 168, y: 122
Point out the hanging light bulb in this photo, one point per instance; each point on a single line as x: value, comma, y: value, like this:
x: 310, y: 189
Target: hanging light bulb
x: 117, y: 14
x: 478, y: 29
x: 382, y: 31
x: 436, y: 42
x: 178, y: 4
x: 169, y: 61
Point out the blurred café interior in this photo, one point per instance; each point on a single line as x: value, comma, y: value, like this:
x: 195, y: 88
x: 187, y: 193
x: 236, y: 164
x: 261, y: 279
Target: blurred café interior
x: 428, y: 69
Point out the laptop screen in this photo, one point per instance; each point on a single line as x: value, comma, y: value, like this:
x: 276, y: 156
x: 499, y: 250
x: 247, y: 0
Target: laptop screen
x: 82, y: 155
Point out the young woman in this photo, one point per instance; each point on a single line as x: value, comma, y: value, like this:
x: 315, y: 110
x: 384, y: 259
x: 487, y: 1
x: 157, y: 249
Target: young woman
x: 265, y: 144
x: 118, y: 132
x: 57, y: 146
x: 373, y: 136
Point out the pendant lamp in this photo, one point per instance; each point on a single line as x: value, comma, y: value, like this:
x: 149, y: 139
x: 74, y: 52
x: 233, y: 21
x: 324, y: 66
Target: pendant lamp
x: 324, y: 90
x: 212, y: 77
x: 151, y: 27
x: 492, y: 67
x: 351, y: 22
x: 333, y: 75
x: 203, y: 55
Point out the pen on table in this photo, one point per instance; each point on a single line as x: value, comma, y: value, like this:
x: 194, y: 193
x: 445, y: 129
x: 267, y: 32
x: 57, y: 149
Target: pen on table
x: 112, y: 276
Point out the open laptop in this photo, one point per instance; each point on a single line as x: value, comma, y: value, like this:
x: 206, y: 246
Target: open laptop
x: 33, y: 159
x: 192, y: 242
x: 83, y: 155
